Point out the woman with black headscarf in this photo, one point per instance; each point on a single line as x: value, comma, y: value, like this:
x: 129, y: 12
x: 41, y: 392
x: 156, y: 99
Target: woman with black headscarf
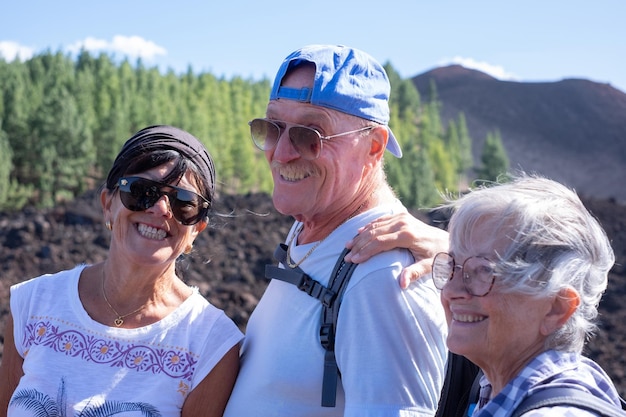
x: 127, y: 335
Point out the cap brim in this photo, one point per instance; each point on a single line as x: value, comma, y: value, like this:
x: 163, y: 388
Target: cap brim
x: 393, y: 146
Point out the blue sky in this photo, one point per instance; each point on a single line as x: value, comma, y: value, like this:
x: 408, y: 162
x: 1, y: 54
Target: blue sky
x: 530, y: 40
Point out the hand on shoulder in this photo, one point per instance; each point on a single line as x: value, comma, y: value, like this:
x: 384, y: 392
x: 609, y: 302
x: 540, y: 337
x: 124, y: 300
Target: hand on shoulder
x: 400, y: 230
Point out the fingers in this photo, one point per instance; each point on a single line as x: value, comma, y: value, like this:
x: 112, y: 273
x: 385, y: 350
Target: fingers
x: 383, y: 234
x: 414, y: 272
x: 406, y: 277
x: 400, y: 231
x: 366, y: 245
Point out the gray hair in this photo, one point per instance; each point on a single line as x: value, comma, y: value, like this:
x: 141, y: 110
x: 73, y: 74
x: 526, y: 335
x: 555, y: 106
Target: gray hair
x: 555, y: 243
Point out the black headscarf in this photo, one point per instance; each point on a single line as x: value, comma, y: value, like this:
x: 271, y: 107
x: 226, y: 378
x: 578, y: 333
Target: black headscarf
x: 163, y: 137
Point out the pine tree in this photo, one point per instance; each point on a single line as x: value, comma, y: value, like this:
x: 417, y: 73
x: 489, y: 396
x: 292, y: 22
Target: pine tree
x: 64, y: 153
x: 466, y: 160
x: 6, y: 165
x: 423, y: 189
x: 17, y: 98
x: 495, y: 162
x: 110, y: 128
x: 64, y: 122
x: 12, y: 195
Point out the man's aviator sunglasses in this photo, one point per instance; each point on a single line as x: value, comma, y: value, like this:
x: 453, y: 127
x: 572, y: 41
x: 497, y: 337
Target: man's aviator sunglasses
x: 139, y: 194
x: 305, y: 140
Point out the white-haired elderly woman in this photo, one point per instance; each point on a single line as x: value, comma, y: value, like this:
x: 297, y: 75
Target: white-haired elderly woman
x: 521, y: 283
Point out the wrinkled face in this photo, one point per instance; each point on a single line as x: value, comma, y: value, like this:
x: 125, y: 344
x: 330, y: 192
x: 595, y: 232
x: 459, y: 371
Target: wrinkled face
x: 500, y: 329
x: 152, y: 236
x: 315, y: 188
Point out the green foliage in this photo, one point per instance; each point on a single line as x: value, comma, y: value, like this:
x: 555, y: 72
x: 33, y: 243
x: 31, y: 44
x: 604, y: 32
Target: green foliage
x: 495, y: 163
x: 12, y: 195
x: 63, y: 150
x: 6, y: 166
x: 412, y: 176
x: 459, y: 145
x: 65, y: 120
x: 422, y: 187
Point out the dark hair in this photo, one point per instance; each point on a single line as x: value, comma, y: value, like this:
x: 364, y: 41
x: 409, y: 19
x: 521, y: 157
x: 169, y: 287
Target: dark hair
x: 157, y: 145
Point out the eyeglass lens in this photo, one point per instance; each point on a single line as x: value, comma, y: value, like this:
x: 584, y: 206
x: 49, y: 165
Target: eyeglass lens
x: 306, y: 141
x: 138, y: 194
x: 477, y: 273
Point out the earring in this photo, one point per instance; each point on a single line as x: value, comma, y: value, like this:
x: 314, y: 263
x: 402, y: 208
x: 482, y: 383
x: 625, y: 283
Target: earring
x: 108, y: 225
x: 188, y: 249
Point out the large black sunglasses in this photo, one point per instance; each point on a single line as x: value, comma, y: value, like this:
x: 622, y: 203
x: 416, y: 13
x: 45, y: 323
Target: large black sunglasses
x: 306, y: 140
x: 139, y: 194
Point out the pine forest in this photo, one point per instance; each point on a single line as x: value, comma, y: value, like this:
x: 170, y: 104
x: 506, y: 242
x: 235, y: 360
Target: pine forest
x: 63, y: 120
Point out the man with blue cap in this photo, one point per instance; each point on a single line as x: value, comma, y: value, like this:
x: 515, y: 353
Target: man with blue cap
x: 324, y: 136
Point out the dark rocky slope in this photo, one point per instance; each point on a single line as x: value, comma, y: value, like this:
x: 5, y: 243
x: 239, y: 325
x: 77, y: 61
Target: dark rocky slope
x: 573, y: 130
x: 229, y: 259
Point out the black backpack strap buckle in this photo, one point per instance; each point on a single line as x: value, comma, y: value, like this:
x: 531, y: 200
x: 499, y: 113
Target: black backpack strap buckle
x: 327, y: 336
x: 299, y: 278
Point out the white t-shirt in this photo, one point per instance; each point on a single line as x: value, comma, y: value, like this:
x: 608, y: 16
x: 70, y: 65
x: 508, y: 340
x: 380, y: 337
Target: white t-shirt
x: 74, y: 365
x: 390, y: 343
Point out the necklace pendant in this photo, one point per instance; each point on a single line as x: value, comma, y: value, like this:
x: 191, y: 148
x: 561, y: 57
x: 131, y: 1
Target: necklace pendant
x: 118, y: 321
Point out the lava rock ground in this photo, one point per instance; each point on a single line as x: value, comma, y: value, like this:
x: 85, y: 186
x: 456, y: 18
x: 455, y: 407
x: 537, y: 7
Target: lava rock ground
x: 229, y: 258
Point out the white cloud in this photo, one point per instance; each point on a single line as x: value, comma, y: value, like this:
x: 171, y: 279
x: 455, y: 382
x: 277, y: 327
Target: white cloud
x: 131, y: 46
x: 90, y: 44
x: 495, y: 71
x: 11, y: 50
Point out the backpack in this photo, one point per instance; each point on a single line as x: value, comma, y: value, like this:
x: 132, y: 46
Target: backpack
x: 461, y: 387
x: 330, y: 297
x: 552, y: 396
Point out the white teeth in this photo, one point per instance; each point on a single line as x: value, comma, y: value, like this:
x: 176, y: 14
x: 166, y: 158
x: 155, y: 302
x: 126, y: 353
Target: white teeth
x: 292, y: 173
x: 151, y: 232
x: 466, y: 318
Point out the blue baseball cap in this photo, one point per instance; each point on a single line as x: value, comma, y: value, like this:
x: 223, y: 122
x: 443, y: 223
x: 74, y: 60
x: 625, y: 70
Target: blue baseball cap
x: 346, y: 79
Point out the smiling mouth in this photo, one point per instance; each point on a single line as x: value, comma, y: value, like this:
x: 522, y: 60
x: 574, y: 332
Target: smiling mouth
x: 293, y: 173
x: 468, y: 318
x: 151, y: 232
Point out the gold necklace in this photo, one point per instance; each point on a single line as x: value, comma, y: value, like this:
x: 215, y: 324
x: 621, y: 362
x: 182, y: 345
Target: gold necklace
x: 120, y: 318
x: 297, y: 232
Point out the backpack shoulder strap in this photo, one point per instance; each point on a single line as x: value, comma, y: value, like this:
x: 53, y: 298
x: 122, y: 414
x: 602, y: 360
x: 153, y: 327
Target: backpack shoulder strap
x: 554, y: 396
x: 298, y: 277
x: 330, y: 313
x: 330, y: 297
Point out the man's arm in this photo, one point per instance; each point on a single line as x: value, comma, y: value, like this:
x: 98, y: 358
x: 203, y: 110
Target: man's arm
x: 390, y: 342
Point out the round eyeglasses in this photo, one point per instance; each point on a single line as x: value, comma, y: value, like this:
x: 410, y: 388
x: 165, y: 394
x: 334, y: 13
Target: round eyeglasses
x: 139, y: 194
x: 478, y: 273
x: 305, y: 140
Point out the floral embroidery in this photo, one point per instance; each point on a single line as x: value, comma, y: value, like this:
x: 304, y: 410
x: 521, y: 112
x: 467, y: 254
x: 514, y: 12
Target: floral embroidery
x: 173, y: 362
